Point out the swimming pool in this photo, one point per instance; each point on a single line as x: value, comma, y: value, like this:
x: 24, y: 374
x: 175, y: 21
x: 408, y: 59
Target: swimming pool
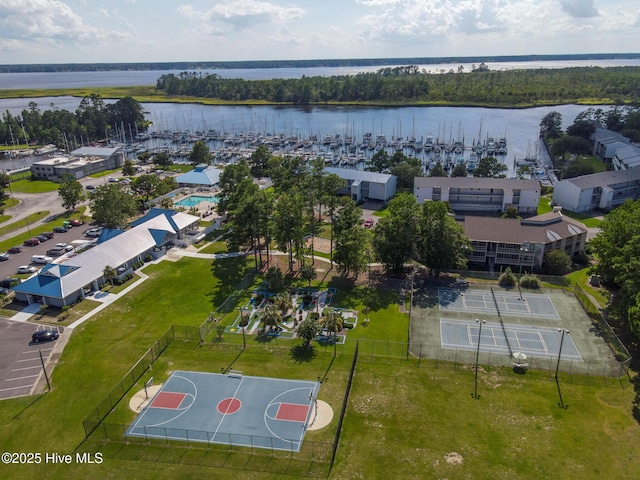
x: 194, y: 200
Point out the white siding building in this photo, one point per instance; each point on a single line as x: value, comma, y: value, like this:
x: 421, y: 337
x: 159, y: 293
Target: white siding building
x: 604, y: 190
x: 363, y: 186
x: 479, y: 194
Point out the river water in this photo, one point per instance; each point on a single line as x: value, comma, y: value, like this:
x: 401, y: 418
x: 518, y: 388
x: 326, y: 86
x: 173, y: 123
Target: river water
x: 467, y: 124
x: 39, y: 80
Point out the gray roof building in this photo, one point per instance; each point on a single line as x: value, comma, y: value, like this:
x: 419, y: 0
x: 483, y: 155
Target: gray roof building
x: 603, y: 191
x: 522, y: 243
x: 362, y: 185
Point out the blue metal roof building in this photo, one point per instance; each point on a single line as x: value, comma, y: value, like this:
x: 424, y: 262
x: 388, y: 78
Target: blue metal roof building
x: 201, y: 176
x: 72, y: 277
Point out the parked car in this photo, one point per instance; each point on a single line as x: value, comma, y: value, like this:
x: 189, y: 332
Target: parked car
x: 48, y: 234
x: 76, y: 222
x: 65, y: 246
x: 14, y: 250
x: 32, y: 242
x: 60, y: 229
x: 26, y: 269
x: 42, y: 238
x: 4, y: 257
x: 55, y: 251
x: 91, y: 187
x: 368, y: 223
x: 44, y: 335
x: 41, y: 259
x: 93, y: 232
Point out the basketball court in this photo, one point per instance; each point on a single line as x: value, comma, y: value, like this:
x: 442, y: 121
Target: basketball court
x: 497, y: 303
x: 230, y: 409
x: 505, y: 338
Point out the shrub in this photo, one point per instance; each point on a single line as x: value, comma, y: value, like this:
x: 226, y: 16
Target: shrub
x: 507, y: 279
x: 530, y: 281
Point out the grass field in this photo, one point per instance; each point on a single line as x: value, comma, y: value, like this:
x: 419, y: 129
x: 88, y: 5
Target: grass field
x: 34, y: 186
x: 404, y: 419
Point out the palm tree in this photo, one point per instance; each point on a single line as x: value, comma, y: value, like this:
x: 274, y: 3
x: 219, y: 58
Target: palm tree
x: 271, y: 316
x: 283, y: 302
x: 332, y: 321
x: 109, y: 273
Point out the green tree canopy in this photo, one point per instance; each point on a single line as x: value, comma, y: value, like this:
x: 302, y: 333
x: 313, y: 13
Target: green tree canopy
x: 71, y: 192
x: 551, y: 125
x: 460, y: 170
x: 162, y: 159
x: 556, y: 262
x: 438, y: 171
x: 617, y: 248
x: 200, y: 154
x: 308, y: 329
x: 351, y: 239
x: 489, y: 167
x: 395, y: 236
x: 442, y: 243
x: 111, y: 206
x: 259, y: 161
x: 406, y: 173
x: 146, y: 185
x: 128, y: 169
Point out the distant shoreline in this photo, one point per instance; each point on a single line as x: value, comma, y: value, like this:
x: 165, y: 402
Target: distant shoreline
x: 255, y: 64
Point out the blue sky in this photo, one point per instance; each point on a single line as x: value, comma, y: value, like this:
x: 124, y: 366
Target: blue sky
x: 64, y: 31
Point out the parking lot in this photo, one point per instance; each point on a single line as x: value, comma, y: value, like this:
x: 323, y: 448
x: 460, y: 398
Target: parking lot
x: 20, y: 364
x: 9, y: 268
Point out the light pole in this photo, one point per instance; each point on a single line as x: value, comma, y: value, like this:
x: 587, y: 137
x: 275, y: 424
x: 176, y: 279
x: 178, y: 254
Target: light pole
x: 563, y: 331
x: 475, y: 390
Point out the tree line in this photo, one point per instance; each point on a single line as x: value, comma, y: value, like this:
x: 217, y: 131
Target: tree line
x: 329, y: 62
x: 412, y: 84
x: 93, y: 120
x: 305, y: 200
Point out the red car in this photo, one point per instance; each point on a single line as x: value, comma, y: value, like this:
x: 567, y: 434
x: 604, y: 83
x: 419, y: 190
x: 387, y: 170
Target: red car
x: 32, y: 242
x: 368, y: 223
x: 15, y: 250
x: 76, y: 222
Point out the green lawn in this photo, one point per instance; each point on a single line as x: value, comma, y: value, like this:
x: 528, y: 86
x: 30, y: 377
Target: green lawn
x: 34, y: 186
x: 404, y: 419
x: 588, y: 219
x: 582, y: 278
x: 544, y: 206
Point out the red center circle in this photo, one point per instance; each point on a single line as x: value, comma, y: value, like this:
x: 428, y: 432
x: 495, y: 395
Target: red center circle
x: 229, y: 406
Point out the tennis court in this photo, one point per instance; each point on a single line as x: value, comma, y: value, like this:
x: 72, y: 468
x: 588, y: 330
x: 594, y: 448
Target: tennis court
x: 497, y: 303
x: 230, y: 409
x: 506, y: 338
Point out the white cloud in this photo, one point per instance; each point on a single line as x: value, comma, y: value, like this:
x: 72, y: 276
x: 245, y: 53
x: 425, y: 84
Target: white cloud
x: 579, y: 8
x: 41, y: 19
x: 246, y: 13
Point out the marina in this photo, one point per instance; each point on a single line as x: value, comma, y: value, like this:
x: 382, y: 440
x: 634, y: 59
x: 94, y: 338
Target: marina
x: 343, y: 136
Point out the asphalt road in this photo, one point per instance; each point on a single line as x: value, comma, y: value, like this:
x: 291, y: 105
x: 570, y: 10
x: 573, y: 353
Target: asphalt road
x: 20, y: 364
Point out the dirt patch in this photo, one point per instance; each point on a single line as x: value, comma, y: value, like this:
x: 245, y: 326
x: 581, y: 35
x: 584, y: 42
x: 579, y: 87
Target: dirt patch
x: 454, y: 458
x: 319, y: 244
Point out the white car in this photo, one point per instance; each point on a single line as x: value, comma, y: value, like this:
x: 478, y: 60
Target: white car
x: 65, y: 246
x: 41, y: 259
x: 26, y: 269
